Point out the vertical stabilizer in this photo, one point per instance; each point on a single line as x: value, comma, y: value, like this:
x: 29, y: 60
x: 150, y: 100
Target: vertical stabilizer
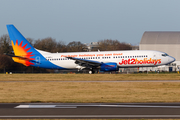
x: 25, y: 53
x: 21, y: 47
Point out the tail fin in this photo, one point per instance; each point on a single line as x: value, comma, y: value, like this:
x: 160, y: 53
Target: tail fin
x: 25, y: 53
x: 22, y: 48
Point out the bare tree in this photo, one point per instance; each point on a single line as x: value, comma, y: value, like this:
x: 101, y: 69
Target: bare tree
x: 125, y: 46
x: 46, y: 44
x: 75, y: 46
x: 5, y: 62
x: 30, y: 40
x: 5, y: 46
x: 110, y: 45
x: 50, y: 45
x: 61, y: 47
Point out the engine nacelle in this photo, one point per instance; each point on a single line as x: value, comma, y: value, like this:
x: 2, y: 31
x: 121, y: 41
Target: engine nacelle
x: 109, y: 67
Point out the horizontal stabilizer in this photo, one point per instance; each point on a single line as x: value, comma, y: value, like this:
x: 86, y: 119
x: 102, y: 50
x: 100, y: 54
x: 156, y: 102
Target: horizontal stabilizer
x: 21, y: 58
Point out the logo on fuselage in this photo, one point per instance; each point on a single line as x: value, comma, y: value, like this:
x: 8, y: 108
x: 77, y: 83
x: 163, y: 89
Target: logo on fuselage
x: 136, y: 61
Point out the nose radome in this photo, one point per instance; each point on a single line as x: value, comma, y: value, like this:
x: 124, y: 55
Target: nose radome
x: 172, y: 59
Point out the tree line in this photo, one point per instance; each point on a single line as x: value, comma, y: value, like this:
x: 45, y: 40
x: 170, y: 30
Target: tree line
x: 51, y: 45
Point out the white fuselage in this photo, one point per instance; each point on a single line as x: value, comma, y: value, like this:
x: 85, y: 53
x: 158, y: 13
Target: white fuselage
x: 131, y: 58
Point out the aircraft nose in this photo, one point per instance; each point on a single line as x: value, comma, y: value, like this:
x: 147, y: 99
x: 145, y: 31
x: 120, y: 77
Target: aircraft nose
x: 172, y: 59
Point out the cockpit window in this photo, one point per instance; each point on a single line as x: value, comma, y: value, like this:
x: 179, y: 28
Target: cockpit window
x: 165, y: 55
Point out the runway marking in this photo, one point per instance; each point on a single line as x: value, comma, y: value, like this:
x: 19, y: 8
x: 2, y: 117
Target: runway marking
x: 91, y: 116
x: 75, y: 106
x: 44, y: 106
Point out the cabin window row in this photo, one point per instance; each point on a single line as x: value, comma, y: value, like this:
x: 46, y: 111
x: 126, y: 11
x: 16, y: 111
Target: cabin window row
x: 138, y: 56
x: 70, y: 59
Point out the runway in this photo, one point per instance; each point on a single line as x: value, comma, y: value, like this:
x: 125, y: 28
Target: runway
x: 89, y: 110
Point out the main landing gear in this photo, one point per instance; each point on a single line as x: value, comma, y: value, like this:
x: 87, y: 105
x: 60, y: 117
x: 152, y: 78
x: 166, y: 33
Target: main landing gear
x: 92, y: 71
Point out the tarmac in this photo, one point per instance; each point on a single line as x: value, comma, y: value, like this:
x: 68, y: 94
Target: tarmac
x: 89, y: 110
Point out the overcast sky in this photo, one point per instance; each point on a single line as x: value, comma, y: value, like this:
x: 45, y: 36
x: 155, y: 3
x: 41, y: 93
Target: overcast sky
x: 90, y: 20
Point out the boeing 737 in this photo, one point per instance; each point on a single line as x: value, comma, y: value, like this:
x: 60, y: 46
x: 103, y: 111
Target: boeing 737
x: 27, y: 55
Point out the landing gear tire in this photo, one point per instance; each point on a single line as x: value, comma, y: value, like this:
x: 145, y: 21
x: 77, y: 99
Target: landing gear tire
x: 91, y: 72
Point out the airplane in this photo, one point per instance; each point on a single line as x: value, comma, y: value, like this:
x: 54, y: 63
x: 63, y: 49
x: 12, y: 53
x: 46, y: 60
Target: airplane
x: 27, y: 55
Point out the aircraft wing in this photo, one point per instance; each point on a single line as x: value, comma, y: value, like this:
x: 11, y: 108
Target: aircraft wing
x: 85, y: 62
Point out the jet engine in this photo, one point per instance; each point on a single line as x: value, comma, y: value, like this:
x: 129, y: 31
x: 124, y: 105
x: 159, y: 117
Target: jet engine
x: 109, y: 67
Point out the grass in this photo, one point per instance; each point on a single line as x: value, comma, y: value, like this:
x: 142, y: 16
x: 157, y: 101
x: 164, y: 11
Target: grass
x: 89, y: 119
x: 91, y: 92
x: 87, y: 77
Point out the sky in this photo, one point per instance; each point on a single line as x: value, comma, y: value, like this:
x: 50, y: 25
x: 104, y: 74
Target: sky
x: 89, y: 20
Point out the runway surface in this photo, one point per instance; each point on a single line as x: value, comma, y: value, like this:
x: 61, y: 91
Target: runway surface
x: 89, y: 110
